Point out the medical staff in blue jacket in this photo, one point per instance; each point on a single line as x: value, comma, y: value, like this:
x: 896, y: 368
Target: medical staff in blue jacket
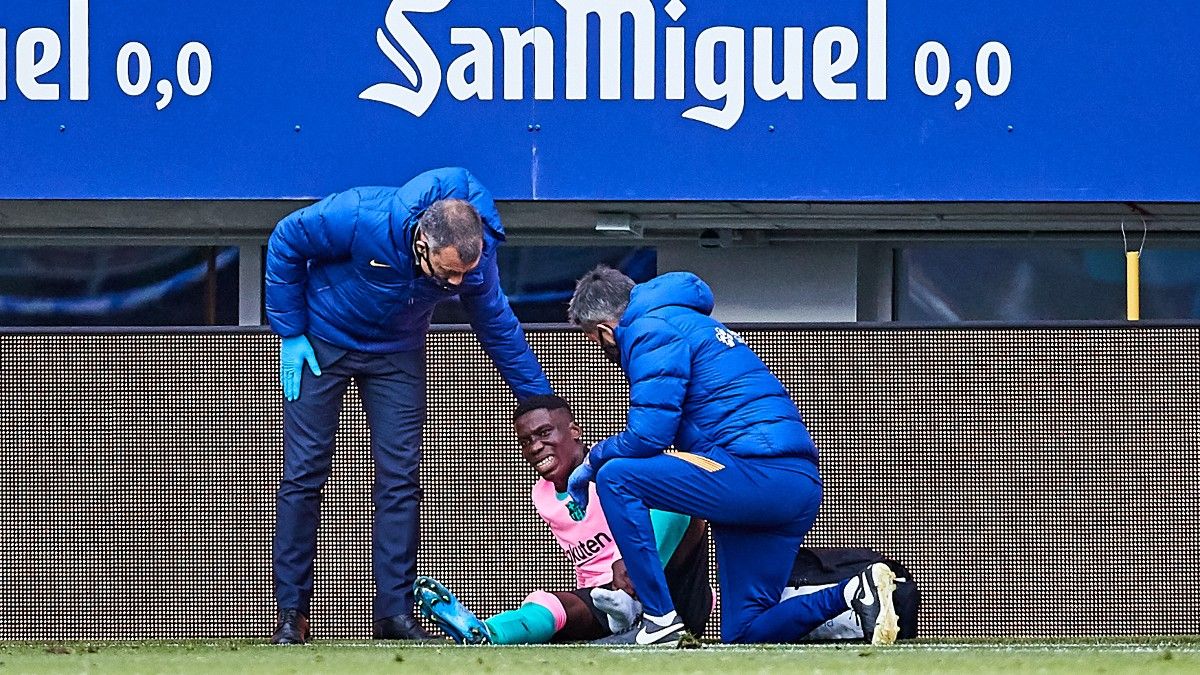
x: 351, y: 285
x: 743, y: 460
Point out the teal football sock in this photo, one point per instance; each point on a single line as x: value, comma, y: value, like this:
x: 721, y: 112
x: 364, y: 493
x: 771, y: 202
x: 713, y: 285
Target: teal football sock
x: 530, y: 625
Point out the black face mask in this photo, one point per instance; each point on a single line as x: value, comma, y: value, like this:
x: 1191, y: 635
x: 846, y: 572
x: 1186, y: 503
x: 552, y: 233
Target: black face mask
x: 610, y: 349
x: 421, y: 251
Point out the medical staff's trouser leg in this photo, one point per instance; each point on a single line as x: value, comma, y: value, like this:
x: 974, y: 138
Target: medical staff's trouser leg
x: 393, y: 392
x: 395, y: 407
x: 309, y: 425
x: 760, y: 510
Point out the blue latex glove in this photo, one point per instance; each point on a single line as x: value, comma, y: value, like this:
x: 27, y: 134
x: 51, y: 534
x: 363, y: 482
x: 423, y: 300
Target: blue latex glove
x: 577, y: 483
x: 294, y: 352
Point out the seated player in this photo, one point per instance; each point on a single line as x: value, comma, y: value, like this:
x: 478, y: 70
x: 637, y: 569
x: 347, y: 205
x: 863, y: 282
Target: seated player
x: 604, y: 603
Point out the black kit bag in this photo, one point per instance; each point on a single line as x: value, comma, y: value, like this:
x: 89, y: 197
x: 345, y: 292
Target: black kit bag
x: 817, y: 568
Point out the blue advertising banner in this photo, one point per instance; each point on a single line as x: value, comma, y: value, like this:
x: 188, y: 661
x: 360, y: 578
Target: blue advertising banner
x: 838, y: 100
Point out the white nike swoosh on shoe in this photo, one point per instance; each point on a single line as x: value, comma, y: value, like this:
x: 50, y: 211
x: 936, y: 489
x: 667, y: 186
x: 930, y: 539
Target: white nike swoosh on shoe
x: 868, y: 598
x: 647, y: 637
x: 376, y: 263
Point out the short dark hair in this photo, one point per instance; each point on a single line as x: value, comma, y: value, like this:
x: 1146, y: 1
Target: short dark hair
x: 453, y: 223
x: 600, y: 295
x: 542, y: 402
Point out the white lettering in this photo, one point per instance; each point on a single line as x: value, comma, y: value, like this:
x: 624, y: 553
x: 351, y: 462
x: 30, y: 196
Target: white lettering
x: 127, y: 85
x: 80, y: 75
x: 203, y: 69
x: 479, y: 60
x: 964, y: 94
x: 876, y: 50
x: 30, y: 67
x: 942, y: 68
x: 733, y: 88
x: 424, y: 71
x: 825, y: 67
x: 675, y: 63
x: 1003, y: 68
x: 514, y: 63
x: 609, y: 13
x: 165, y: 93
x: 719, y: 74
x: 3, y: 64
x: 792, y: 83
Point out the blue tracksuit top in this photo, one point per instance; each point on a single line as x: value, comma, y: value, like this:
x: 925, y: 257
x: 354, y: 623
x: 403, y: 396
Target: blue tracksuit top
x: 695, y: 384
x: 343, y: 270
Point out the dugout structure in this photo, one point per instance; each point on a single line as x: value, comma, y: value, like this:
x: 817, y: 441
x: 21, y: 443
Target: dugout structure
x: 1039, y: 481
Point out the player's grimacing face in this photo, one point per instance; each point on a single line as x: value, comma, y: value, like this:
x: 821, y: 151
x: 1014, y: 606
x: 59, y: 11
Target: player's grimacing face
x: 549, y: 442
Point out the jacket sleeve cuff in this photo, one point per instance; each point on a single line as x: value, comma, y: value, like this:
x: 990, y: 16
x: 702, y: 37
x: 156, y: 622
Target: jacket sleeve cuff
x: 288, y: 324
x: 598, y: 454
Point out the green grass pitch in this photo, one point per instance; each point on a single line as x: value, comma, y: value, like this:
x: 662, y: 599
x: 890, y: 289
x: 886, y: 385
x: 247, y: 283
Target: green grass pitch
x: 1123, y: 655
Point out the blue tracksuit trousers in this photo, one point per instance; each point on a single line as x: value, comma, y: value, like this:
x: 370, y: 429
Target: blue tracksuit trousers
x: 759, y: 510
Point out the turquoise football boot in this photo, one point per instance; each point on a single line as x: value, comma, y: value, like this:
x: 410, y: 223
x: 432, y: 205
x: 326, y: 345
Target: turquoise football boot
x: 438, y: 604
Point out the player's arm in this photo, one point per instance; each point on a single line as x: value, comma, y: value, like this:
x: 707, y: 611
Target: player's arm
x: 660, y: 363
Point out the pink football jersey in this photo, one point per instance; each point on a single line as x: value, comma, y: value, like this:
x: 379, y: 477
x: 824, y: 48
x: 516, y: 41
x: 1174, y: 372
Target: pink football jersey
x: 588, y: 542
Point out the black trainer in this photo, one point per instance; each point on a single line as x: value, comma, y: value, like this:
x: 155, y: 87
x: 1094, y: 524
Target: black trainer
x: 399, y: 627
x: 871, y: 598
x: 651, y: 633
x: 292, y: 628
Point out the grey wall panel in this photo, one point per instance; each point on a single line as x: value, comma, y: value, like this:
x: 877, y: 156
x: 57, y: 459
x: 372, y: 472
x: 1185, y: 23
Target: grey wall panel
x: 1038, y: 482
x: 817, y: 281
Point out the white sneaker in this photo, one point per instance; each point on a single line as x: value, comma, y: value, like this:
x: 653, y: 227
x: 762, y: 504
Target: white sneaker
x: 870, y: 595
x: 666, y: 631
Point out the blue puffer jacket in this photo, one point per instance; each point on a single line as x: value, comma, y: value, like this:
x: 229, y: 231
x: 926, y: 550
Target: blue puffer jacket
x: 695, y: 384
x: 343, y: 270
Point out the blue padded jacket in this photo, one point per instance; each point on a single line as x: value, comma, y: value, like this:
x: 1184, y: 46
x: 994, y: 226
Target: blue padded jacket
x: 694, y: 384
x: 343, y: 270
